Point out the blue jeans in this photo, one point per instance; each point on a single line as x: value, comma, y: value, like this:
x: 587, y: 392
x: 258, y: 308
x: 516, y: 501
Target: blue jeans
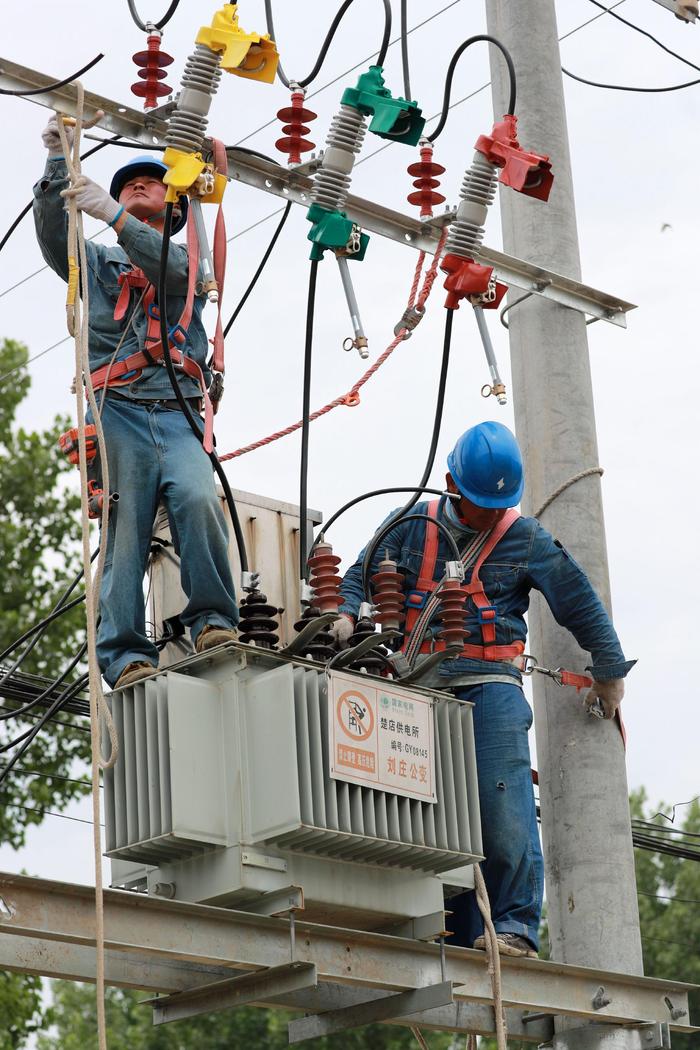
x: 153, y: 455
x: 513, y: 868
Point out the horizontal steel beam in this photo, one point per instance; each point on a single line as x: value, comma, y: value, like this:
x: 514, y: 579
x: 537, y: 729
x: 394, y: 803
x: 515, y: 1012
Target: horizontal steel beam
x: 271, y: 177
x: 172, y: 930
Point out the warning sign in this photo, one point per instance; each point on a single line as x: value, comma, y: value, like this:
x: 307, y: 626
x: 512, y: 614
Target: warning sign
x: 381, y: 738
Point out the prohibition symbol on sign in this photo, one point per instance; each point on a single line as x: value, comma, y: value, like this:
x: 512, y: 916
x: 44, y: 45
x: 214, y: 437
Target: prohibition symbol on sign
x: 355, y: 715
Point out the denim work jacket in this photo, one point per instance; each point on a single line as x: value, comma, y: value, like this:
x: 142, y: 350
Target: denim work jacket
x: 526, y: 557
x: 138, y: 245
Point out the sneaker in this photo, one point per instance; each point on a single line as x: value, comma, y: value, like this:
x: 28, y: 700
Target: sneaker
x: 509, y: 944
x: 211, y: 636
x: 134, y: 672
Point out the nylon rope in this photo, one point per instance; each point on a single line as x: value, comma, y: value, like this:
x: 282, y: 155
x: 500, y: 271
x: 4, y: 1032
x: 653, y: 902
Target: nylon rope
x: 77, y: 308
x: 567, y: 484
x: 352, y: 397
x: 494, y: 959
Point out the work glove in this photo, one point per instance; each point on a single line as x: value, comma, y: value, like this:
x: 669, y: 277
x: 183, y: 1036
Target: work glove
x: 609, y: 693
x: 52, y: 140
x: 341, y: 631
x: 93, y: 200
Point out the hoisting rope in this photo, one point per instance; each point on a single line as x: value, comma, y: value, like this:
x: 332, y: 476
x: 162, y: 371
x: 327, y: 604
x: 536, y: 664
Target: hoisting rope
x: 416, y: 304
x: 78, y: 307
x: 494, y: 959
x: 562, y: 488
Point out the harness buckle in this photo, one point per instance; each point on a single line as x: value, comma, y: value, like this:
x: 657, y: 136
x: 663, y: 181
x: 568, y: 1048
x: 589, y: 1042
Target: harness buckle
x: 486, y: 614
x: 416, y: 599
x: 177, y: 334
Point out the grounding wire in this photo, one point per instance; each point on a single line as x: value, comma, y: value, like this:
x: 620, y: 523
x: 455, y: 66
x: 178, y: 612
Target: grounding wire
x: 479, y: 38
x: 52, y: 87
x: 627, y: 87
x: 261, y: 266
x: 644, y: 32
x: 306, y: 423
x: 181, y: 399
x: 143, y: 26
x: 437, y: 422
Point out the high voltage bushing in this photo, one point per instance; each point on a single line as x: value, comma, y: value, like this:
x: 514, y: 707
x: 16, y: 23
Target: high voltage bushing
x: 453, y: 598
x: 294, y: 119
x: 322, y: 645
x: 388, y: 596
x: 325, y: 581
x: 424, y: 174
x: 374, y: 660
x: 258, y: 624
x: 331, y: 228
x: 199, y: 84
x: 151, y: 63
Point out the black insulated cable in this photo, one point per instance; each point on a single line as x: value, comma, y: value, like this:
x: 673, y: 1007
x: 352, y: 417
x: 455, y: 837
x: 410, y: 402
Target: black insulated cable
x: 23, y: 710
x: 405, y: 67
x: 181, y: 399
x: 369, y: 495
x: 627, y: 87
x: 263, y: 262
x: 53, y: 87
x: 638, y: 29
x: 143, y: 26
x: 390, y: 525
x: 306, y: 424
x: 480, y: 38
x: 439, y: 405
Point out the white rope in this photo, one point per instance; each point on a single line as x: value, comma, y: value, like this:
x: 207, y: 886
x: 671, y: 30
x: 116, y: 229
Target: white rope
x: 562, y: 488
x: 78, y: 322
x: 494, y: 959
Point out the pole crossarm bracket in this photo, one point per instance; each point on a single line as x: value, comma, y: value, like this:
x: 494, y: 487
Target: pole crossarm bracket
x: 253, y: 170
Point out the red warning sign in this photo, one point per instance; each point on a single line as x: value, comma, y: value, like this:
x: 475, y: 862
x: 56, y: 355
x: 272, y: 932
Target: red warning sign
x: 355, y: 715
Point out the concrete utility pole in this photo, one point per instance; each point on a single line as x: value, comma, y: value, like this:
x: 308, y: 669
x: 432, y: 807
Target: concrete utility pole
x: 590, y: 882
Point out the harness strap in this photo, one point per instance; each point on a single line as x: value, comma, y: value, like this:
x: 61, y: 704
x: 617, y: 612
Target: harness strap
x: 475, y: 588
x: 426, y: 572
x: 219, y: 254
x: 492, y: 653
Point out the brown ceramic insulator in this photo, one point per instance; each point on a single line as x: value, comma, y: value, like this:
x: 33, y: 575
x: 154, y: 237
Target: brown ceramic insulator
x: 325, y: 581
x: 322, y: 646
x: 258, y: 623
x: 151, y: 73
x: 453, y: 598
x: 294, y: 118
x: 370, y: 661
x: 388, y: 596
x: 425, y: 182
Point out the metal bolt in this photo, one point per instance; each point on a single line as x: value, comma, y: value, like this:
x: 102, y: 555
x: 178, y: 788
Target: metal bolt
x: 600, y: 999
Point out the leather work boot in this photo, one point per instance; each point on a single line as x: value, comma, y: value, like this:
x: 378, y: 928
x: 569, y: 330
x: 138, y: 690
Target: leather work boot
x: 509, y: 944
x: 134, y: 672
x: 211, y: 636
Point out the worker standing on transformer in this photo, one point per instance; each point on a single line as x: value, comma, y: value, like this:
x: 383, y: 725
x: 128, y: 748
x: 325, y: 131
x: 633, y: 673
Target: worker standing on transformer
x: 485, y: 479
x: 153, y: 454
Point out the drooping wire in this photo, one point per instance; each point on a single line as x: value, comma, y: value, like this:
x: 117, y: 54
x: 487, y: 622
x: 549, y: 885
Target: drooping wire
x: 369, y: 495
x: 261, y: 266
x: 644, y: 32
x: 627, y: 87
x: 481, y: 37
x: 159, y: 25
x: 405, y: 67
x: 305, y: 412
x: 328, y: 40
x: 52, y: 87
x: 392, y: 523
x: 439, y: 405
x: 181, y: 399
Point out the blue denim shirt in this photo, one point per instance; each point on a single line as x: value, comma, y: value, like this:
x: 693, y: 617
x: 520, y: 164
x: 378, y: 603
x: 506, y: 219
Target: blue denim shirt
x: 138, y: 245
x: 527, y: 557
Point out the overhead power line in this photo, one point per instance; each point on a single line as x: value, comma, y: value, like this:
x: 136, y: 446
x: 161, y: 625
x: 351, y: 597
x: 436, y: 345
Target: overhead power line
x: 644, y: 32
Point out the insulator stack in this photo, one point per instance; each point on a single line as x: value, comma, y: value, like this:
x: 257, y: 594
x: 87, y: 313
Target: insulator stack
x: 370, y: 661
x: 388, y: 596
x: 325, y: 581
x: 322, y: 646
x: 258, y: 624
x: 477, y: 194
x: 200, y: 82
x: 152, y: 61
x: 294, y: 119
x: 332, y: 180
x: 423, y: 174
x: 453, y: 598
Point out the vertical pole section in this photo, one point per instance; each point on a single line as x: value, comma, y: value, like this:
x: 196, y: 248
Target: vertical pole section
x: 589, y: 862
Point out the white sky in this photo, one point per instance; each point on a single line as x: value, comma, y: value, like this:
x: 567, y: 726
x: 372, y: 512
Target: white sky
x: 634, y: 160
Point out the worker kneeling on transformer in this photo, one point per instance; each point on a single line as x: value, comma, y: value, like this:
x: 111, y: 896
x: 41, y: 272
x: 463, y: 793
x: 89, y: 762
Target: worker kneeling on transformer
x: 486, y: 479
x: 152, y: 452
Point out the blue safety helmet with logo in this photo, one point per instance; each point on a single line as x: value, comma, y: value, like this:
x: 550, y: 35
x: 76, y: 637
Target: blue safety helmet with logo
x: 487, y: 466
x: 146, y: 166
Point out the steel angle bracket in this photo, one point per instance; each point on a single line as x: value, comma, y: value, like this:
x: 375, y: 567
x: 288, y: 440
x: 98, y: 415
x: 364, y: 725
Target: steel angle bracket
x: 404, y: 1004
x: 654, y: 1036
x: 258, y: 986
x: 295, y: 184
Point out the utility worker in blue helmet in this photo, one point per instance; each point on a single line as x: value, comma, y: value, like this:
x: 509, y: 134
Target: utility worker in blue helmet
x: 153, y: 455
x: 485, y: 479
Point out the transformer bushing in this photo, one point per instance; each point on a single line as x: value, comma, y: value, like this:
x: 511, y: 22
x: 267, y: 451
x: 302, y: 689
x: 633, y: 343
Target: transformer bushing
x: 388, y: 596
x: 322, y: 645
x: 374, y: 660
x: 258, y: 624
x: 453, y: 598
x: 199, y: 84
x: 325, y: 581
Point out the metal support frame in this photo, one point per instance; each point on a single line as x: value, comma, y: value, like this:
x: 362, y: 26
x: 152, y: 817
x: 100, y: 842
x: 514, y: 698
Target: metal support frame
x: 294, y: 184
x: 47, y: 928
x: 673, y: 7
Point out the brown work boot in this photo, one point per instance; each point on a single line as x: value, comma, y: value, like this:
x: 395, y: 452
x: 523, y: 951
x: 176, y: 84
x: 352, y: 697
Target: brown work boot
x: 211, y: 636
x: 134, y: 672
x: 509, y: 944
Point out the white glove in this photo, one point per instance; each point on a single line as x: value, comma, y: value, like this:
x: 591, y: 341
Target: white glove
x: 93, y: 200
x: 52, y: 140
x: 610, y: 694
x: 341, y: 630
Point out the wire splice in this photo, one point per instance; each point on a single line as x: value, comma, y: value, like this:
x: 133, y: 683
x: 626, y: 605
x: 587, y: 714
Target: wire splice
x: 294, y: 119
x: 152, y: 62
x: 423, y: 173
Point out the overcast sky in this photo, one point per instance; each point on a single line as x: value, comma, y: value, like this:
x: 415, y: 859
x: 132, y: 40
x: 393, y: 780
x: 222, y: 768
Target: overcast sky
x: 635, y: 160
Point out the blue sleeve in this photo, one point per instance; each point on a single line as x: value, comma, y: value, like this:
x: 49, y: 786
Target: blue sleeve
x: 575, y: 605
x: 351, y: 587
x: 50, y: 218
x: 143, y: 245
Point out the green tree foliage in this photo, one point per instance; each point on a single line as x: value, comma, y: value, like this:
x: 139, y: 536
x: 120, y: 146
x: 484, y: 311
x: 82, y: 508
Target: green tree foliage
x: 20, y: 1009
x: 39, y: 533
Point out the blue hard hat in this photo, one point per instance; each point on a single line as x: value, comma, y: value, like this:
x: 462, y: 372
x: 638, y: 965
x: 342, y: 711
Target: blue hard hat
x: 487, y: 466
x: 146, y: 165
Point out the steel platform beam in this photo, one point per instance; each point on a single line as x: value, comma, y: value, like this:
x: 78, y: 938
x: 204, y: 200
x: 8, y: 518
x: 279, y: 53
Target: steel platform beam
x: 149, y: 129
x: 159, y: 933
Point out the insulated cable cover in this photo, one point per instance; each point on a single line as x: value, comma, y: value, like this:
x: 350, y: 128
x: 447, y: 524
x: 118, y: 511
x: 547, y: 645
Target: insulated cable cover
x: 482, y: 37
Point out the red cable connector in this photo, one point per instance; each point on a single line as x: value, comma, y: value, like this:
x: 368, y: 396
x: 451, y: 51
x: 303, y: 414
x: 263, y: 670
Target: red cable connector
x: 528, y: 173
x: 294, y: 118
x: 152, y: 62
x: 425, y: 182
x: 388, y: 596
x: 324, y: 580
x: 470, y: 280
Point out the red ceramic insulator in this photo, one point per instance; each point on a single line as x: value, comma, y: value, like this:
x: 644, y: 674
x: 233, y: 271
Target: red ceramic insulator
x: 452, y: 600
x: 152, y: 62
x: 294, y: 117
x: 388, y: 595
x: 324, y: 580
x: 425, y: 182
